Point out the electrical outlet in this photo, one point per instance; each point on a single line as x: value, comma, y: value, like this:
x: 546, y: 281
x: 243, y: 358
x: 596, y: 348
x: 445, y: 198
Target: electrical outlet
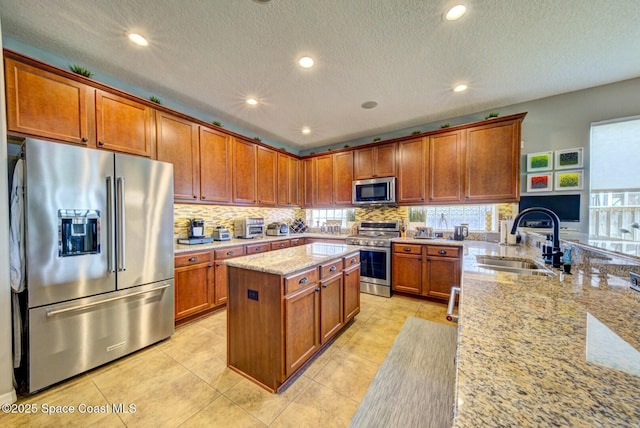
x: 634, y: 280
x: 438, y: 235
x: 252, y: 294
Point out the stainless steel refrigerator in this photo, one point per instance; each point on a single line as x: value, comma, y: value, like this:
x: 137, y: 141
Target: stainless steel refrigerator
x: 99, y: 257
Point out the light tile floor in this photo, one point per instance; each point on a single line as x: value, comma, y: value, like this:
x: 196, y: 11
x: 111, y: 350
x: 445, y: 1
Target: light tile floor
x: 184, y: 381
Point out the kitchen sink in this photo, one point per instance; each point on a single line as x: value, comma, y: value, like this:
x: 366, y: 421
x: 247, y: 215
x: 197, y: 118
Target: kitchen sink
x: 520, y: 266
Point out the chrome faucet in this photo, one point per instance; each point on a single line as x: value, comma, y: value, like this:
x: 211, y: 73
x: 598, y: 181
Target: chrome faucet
x: 556, y: 253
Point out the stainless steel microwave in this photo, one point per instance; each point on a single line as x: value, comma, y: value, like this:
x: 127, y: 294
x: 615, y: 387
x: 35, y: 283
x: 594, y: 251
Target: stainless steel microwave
x: 374, y: 191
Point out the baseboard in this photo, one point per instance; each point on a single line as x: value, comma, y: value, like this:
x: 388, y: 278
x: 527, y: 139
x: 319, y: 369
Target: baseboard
x: 8, y: 397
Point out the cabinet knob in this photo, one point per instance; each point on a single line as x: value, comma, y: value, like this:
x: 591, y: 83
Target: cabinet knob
x: 100, y: 143
x: 407, y: 249
x: 467, y: 196
x: 332, y: 269
x: 442, y: 252
x: 193, y: 259
x: 209, y: 265
x: 229, y: 253
x: 430, y: 198
x: 203, y: 197
x: 258, y: 249
x: 195, y: 197
x: 303, y: 280
x: 324, y: 285
x: 347, y: 274
x: 317, y: 290
x: 353, y: 260
x: 85, y: 139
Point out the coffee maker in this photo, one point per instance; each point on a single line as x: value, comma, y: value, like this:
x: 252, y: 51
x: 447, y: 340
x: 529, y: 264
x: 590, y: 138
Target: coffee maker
x: 196, y: 228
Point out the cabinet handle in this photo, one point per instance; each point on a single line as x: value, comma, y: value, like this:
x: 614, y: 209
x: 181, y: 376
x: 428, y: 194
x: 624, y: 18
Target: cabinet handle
x: 303, y: 280
x: 467, y: 196
x: 407, y: 249
x: 353, y: 260
x: 193, y: 259
x: 430, y: 198
x: 347, y: 274
x: 420, y: 259
x: 324, y: 285
x: 85, y: 139
x: 229, y: 253
x: 442, y: 252
x: 317, y: 290
x: 258, y: 249
x: 218, y: 264
x: 203, y: 197
x: 422, y: 199
x: 100, y: 143
x: 209, y: 265
x: 332, y: 269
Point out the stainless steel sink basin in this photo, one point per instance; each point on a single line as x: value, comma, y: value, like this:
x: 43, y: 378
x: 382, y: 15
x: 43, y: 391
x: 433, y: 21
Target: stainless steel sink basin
x: 520, y: 266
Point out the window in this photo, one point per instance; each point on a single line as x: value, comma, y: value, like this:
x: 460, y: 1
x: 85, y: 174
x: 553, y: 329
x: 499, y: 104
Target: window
x: 443, y: 217
x: 322, y: 216
x: 614, y: 207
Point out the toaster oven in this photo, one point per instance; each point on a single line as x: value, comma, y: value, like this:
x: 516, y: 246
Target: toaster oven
x: 248, y: 227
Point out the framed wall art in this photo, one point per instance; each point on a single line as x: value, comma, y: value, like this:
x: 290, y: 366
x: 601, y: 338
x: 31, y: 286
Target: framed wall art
x: 569, y: 158
x: 541, y: 161
x: 568, y: 180
x: 540, y: 182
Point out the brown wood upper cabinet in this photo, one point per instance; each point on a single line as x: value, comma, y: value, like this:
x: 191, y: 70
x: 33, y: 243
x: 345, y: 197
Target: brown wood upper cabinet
x: 44, y: 104
x: 215, y: 166
x: 342, y: 178
x: 327, y: 180
x: 244, y: 172
x: 412, y: 171
x: 123, y: 125
x: 324, y: 181
x: 287, y: 180
x: 376, y: 161
x: 445, y: 167
x: 266, y: 176
x: 492, y: 162
x: 308, y: 183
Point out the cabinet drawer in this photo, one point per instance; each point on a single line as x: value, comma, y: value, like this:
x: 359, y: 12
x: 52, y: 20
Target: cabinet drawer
x: 229, y: 252
x: 300, y: 280
x: 351, y: 260
x: 297, y: 241
x: 280, y: 244
x: 331, y: 268
x: 442, y: 251
x: 192, y: 259
x: 407, y: 248
x: 258, y: 248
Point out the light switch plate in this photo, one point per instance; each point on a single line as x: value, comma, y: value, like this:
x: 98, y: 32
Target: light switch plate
x: 634, y: 280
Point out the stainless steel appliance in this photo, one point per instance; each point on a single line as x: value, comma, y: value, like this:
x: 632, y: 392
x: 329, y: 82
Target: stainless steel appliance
x: 375, y: 191
x: 248, y: 227
x: 375, y: 257
x: 99, y: 258
x: 221, y: 233
x: 196, y: 228
x: 460, y: 232
x: 277, y: 229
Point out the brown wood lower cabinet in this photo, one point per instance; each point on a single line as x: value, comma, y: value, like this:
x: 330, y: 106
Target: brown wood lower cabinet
x: 194, y: 284
x: 426, y: 270
x: 221, y: 270
x: 276, y: 323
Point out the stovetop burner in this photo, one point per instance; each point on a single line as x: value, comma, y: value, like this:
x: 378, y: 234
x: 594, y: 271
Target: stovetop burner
x: 375, y: 234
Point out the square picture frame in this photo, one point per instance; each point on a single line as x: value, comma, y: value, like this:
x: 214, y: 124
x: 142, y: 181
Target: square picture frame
x: 568, y: 180
x: 541, y: 161
x: 540, y: 182
x: 569, y: 158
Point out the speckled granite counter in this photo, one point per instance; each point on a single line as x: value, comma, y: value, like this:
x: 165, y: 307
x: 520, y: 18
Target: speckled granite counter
x: 289, y: 260
x: 216, y: 245
x: 541, y: 351
x: 439, y: 241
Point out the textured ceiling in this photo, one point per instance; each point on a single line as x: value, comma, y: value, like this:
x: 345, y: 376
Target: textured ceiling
x: 211, y: 54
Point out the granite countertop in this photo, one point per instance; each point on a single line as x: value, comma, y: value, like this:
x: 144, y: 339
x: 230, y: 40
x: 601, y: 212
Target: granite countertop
x: 543, y: 351
x: 293, y: 259
x: 437, y: 241
x: 217, y: 245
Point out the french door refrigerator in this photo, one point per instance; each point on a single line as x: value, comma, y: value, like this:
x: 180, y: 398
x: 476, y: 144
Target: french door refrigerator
x: 99, y: 257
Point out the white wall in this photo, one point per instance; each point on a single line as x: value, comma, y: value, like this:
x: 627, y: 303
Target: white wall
x: 7, y: 393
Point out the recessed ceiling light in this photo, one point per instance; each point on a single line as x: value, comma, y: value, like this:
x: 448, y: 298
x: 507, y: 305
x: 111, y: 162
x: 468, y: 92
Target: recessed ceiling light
x: 138, y: 39
x: 455, y: 12
x: 306, y: 62
x: 252, y: 101
x: 306, y: 130
x: 460, y: 88
x: 369, y: 104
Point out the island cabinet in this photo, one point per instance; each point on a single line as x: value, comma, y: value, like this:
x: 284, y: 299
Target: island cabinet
x: 221, y: 270
x: 283, y: 310
x: 45, y: 104
x: 426, y: 270
x: 194, y: 284
x: 374, y: 162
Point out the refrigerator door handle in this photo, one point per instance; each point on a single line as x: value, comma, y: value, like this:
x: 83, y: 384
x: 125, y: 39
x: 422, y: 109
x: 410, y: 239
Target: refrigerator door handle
x: 51, y: 313
x: 120, y: 223
x: 111, y: 233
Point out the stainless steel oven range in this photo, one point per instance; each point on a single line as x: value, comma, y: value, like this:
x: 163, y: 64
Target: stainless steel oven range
x: 375, y: 257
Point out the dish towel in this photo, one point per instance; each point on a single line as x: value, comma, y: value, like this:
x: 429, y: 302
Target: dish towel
x: 16, y: 256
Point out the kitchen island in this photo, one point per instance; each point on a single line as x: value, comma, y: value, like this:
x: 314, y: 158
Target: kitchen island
x: 285, y: 306
x: 545, y: 350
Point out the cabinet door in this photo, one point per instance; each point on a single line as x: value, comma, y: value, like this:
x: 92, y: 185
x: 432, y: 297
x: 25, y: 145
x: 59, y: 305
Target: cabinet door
x: 385, y: 160
x: 412, y: 176
x: 266, y: 176
x: 177, y: 143
x: 351, y: 292
x: 442, y: 273
x: 324, y: 181
x: 302, y: 336
x: 220, y: 284
x: 331, y: 307
x: 44, y: 104
x: 308, y: 186
x: 342, y: 178
x: 193, y: 289
x: 364, y: 164
x: 215, y: 166
x: 244, y: 172
x: 445, y: 167
x: 406, y: 274
x: 123, y: 125
x: 287, y: 180
x: 493, y: 162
